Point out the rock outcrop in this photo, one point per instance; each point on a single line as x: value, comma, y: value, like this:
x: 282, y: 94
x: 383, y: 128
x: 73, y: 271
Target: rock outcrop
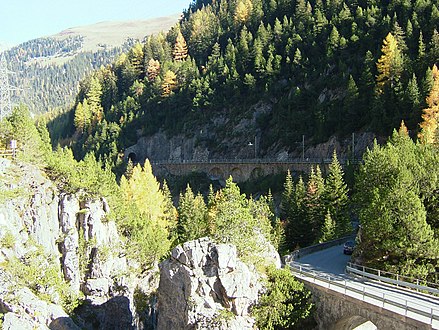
x: 206, y: 286
x: 74, y: 233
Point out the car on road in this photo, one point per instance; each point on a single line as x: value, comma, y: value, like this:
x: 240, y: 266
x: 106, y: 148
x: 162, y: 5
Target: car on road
x: 348, y: 247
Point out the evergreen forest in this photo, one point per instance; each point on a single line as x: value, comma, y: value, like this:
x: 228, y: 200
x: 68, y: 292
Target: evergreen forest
x: 328, y: 69
x: 47, y: 71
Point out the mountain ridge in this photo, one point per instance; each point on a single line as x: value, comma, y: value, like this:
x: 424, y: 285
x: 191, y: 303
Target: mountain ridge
x: 114, y: 33
x: 49, y: 69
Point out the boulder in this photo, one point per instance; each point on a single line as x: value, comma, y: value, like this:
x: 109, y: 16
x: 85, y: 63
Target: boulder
x: 204, y: 285
x: 12, y: 321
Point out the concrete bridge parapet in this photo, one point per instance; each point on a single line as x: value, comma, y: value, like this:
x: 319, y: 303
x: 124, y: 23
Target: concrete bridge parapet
x: 335, y: 310
x: 240, y: 170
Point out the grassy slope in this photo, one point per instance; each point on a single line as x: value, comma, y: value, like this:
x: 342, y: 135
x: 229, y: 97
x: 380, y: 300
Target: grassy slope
x: 114, y: 33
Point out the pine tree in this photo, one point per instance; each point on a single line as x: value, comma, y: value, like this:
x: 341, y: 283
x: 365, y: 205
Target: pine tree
x: 299, y: 228
x: 137, y: 58
x: 94, y: 100
x: 243, y: 11
x: 421, y: 50
x: 389, y: 194
x: 328, y: 230
x: 433, y: 53
x: 333, y: 41
x: 287, y: 199
x: 170, y: 214
x: 191, y: 216
x: 336, y: 198
x: 83, y: 116
x: 238, y: 221
x: 315, y: 206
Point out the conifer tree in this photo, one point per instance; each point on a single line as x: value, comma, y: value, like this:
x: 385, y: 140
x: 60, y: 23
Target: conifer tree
x: 389, y: 65
x: 153, y: 69
x: 137, y: 58
x: 336, y: 198
x: 180, y: 51
x: 82, y: 116
x: 169, y: 83
x: 236, y: 222
x: 328, y: 230
x: 433, y: 52
x: 143, y: 218
x: 315, y: 206
x: 421, y: 50
x: 243, y: 11
x: 394, y: 232
x: 287, y: 199
x: 191, y: 216
x: 430, y: 116
x: 94, y: 100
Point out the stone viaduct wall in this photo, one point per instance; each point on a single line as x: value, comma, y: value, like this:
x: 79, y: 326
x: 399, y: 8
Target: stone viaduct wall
x: 335, y: 310
x: 239, y: 170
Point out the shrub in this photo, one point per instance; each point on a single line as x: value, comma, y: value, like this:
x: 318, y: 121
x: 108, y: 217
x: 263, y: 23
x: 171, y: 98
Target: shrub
x: 286, y: 303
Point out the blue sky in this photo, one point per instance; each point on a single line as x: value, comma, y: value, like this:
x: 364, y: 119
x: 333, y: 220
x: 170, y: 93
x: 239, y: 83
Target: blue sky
x: 23, y: 20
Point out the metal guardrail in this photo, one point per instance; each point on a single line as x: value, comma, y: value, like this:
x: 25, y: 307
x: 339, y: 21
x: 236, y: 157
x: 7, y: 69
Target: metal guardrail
x: 7, y: 153
x: 317, y: 247
x: 414, y: 284
x: 348, y: 288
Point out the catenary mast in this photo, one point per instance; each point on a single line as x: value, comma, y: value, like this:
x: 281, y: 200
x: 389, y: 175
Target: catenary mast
x: 5, y: 89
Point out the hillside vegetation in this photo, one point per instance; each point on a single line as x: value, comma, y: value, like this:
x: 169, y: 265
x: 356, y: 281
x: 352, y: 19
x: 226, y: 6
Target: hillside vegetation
x: 327, y: 68
x: 47, y: 70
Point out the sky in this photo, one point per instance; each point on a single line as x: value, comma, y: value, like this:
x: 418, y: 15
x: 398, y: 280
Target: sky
x: 23, y: 20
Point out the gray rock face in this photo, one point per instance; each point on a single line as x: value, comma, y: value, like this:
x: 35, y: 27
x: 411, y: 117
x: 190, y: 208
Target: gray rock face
x: 205, y: 286
x: 27, y: 311
x: 68, y: 208
x: 75, y: 231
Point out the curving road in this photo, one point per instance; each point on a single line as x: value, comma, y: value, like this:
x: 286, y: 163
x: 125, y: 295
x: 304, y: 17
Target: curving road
x: 331, y: 260
x: 327, y: 268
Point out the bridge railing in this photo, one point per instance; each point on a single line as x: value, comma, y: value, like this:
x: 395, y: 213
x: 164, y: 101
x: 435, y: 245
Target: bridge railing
x: 357, y: 290
x: 392, y: 278
x: 255, y: 161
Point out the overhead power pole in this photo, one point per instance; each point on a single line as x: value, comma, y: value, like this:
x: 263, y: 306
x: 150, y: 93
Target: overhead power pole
x: 5, y: 89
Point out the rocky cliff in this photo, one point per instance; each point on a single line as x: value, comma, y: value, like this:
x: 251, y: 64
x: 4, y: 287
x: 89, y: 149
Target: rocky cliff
x: 204, y: 285
x: 230, y: 137
x: 56, y: 248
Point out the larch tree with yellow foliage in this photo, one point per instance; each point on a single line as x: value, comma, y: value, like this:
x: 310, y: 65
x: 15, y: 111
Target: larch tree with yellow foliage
x: 430, y: 116
x: 389, y: 65
x: 169, y: 83
x: 180, y: 48
x: 146, y: 219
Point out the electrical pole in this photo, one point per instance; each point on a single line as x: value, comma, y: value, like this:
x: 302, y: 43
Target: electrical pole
x: 353, y: 146
x: 303, y: 147
x: 5, y: 89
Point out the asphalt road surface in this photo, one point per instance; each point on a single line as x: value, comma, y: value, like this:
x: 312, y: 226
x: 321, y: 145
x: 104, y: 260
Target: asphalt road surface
x: 331, y: 260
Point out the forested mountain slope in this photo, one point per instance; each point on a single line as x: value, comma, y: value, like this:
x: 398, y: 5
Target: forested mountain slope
x: 47, y: 70
x: 324, y: 68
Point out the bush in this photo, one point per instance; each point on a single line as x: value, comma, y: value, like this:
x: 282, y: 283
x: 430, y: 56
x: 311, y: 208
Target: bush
x: 286, y: 303
x: 42, y: 274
